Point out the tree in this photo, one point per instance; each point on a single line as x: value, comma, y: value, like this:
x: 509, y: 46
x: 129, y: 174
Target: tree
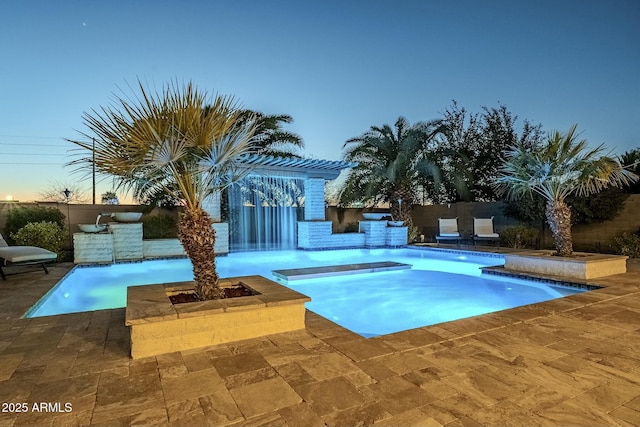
x: 270, y: 139
x: 560, y: 168
x: 55, y: 192
x: 170, y: 141
x: 631, y: 161
x: 466, y: 151
x: 392, y: 163
x: 110, y: 198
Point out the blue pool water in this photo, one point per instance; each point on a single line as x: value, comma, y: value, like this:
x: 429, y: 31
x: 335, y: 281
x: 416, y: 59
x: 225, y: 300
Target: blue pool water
x: 440, y: 286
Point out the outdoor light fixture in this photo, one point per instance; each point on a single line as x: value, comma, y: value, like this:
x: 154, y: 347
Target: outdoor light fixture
x: 67, y: 194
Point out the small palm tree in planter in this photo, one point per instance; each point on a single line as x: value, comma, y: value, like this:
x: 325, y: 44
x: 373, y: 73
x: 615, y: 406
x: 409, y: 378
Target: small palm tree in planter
x: 178, y: 142
x: 561, y: 167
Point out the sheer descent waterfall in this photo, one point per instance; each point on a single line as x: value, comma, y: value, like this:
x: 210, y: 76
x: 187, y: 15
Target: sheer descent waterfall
x: 263, y: 212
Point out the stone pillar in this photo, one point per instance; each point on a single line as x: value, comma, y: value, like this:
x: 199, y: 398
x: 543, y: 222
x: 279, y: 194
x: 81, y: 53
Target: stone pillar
x: 375, y: 232
x: 314, y: 199
x: 212, y: 205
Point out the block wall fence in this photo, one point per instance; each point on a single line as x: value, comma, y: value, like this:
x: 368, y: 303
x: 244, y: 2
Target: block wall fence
x: 591, y: 237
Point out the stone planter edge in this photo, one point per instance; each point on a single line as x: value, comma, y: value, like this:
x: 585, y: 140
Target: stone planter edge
x: 157, y: 326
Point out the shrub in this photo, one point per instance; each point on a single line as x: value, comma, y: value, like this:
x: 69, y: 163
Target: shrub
x: 627, y: 244
x: 518, y: 237
x: 351, y: 227
x: 44, y: 234
x: 21, y: 216
x: 162, y: 226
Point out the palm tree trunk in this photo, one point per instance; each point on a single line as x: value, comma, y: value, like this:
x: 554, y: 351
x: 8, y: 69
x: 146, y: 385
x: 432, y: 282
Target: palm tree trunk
x: 401, y: 211
x: 559, y: 218
x: 196, y: 233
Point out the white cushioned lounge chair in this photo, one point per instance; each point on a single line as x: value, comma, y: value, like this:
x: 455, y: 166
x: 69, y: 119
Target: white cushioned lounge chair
x: 483, y: 230
x: 21, y: 255
x: 448, y: 230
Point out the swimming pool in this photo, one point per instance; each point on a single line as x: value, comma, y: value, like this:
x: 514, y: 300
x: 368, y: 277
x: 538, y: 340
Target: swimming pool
x: 440, y: 286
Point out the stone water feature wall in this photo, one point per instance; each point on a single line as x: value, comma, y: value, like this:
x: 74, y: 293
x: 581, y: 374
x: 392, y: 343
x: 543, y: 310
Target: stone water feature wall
x: 123, y: 242
x: 317, y: 233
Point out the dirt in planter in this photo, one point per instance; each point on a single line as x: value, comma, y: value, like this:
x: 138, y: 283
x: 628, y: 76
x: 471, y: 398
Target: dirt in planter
x: 228, y: 292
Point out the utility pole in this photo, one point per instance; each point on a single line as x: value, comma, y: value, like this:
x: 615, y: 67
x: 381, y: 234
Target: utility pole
x: 93, y: 154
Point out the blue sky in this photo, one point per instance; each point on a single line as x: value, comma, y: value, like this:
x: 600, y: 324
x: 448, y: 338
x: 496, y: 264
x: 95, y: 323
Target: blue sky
x: 337, y: 67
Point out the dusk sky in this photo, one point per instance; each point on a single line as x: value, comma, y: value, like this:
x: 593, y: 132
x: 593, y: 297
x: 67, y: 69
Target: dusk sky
x: 337, y: 67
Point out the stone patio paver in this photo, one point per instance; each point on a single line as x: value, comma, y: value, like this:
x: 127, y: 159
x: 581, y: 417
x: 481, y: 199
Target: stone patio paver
x: 574, y: 361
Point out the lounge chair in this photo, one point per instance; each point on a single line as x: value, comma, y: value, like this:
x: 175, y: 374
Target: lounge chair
x: 448, y: 230
x: 483, y: 230
x: 22, y: 255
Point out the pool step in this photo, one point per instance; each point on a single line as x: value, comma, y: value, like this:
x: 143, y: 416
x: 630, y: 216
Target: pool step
x: 338, y: 270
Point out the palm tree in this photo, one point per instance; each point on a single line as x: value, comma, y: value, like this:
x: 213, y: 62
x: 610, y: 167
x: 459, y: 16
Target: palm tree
x: 631, y: 161
x: 561, y: 167
x: 169, y: 141
x: 270, y: 139
x: 391, y: 164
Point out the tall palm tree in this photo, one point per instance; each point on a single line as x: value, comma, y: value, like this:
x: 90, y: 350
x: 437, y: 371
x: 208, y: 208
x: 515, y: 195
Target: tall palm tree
x: 270, y: 139
x: 169, y: 141
x: 562, y: 167
x: 392, y: 163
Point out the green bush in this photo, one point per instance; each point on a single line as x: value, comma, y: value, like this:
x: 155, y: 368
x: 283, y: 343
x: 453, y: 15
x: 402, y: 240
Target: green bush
x: 44, y: 234
x: 351, y: 227
x: 21, y: 216
x: 627, y: 244
x: 518, y: 237
x: 162, y: 226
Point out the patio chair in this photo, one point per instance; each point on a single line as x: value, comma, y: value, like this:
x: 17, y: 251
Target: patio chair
x: 483, y: 230
x: 448, y: 230
x: 23, y: 255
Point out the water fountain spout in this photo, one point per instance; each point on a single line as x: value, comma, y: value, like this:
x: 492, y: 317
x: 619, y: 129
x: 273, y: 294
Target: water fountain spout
x: 100, y: 216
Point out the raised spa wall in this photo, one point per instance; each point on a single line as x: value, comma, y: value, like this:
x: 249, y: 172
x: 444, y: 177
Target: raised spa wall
x: 315, y: 232
x: 124, y: 242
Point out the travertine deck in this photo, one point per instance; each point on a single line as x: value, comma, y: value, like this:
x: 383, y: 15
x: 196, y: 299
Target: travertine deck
x: 573, y: 361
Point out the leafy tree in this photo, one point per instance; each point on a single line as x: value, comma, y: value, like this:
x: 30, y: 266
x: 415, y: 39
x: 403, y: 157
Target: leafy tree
x: 170, y: 141
x: 467, y: 152
x: 392, y: 163
x: 55, y: 192
x: 562, y: 167
x: 110, y: 198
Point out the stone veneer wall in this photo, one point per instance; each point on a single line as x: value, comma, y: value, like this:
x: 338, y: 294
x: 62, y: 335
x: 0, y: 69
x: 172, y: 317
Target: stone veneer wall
x: 127, y: 241
x: 375, y: 232
x: 222, y: 238
x: 396, y: 236
x: 318, y: 235
x: 314, y: 199
x: 92, y: 248
x: 157, y: 248
x: 124, y: 242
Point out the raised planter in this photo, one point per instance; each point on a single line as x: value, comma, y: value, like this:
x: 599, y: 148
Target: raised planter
x: 580, y: 266
x: 158, y: 326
